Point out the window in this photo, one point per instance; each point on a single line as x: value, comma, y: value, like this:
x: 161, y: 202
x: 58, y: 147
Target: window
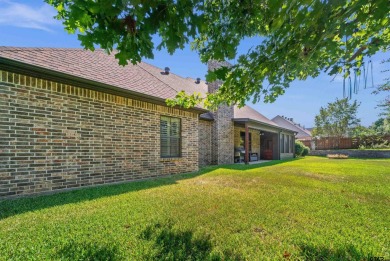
x: 291, y: 144
x: 242, y: 140
x: 286, y: 144
x: 170, y: 137
x: 282, y: 143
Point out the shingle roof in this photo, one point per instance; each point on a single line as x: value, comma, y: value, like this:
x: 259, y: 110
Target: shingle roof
x: 247, y: 112
x: 207, y: 116
x: 100, y: 67
x: 285, y: 123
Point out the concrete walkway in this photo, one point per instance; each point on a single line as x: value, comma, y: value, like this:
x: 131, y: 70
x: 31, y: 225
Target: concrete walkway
x: 255, y: 162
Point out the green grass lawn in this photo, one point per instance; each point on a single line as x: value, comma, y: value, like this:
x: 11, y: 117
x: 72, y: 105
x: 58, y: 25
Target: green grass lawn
x: 306, y: 209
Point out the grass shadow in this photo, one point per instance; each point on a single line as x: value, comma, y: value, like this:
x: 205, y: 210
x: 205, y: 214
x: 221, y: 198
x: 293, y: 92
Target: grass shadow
x: 12, y: 207
x: 87, y: 251
x: 15, y: 206
x: 173, y: 244
x: 259, y: 165
x: 322, y: 253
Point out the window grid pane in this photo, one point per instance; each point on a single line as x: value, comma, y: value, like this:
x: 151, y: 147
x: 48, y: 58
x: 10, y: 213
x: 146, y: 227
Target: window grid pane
x: 287, y: 141
x: 170, y: 137
x: 292, y: 144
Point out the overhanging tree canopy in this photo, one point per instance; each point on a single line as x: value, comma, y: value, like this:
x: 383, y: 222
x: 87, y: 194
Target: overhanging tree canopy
x: 301, y: 38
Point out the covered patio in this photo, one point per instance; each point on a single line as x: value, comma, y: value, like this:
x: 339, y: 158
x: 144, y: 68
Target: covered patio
x: 257, y: 138
x: 262, y: 142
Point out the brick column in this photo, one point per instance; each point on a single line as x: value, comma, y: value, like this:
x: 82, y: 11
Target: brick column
x: 223, y: 128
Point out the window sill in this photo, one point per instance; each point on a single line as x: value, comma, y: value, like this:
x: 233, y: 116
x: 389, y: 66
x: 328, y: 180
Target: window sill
x: 171, y: 159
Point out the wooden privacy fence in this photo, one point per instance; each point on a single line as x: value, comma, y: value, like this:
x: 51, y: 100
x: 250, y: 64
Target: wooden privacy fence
x: 336, y: 143
x: 330, y: 143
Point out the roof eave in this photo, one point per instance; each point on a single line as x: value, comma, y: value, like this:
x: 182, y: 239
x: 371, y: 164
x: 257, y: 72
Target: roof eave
x: 263, y: 123
x: 44, y: 73
x: 205, y: 119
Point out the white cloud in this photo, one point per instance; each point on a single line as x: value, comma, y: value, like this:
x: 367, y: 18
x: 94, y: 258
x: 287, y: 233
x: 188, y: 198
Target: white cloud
x: 22, y: 15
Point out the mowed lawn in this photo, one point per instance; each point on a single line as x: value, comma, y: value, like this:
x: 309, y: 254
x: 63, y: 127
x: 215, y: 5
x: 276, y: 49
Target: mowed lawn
x: 303, y: 209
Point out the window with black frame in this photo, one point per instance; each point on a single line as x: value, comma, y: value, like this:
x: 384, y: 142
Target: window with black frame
x: 170, y: 137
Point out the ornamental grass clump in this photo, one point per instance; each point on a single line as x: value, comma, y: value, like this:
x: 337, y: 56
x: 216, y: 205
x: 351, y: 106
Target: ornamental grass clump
x: 337, y: 156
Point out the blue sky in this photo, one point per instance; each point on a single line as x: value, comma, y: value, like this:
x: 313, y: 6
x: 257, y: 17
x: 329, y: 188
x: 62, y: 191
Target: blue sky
x: 30, y: 24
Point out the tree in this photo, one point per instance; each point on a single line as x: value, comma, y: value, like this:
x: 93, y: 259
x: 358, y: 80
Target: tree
x: 373, y: 136
x: 381, y: 126
x: 385, y: 87
x: 337, y: 119
x: 297, y: 38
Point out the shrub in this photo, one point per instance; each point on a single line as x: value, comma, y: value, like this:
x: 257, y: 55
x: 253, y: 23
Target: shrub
x: 301, y: 149
x: 305, y: 151
x: 298, y: 148
x: 373, y: 142
x: 384, y: 145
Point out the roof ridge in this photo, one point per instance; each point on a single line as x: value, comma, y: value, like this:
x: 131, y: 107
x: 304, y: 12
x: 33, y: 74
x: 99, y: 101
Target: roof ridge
x: 182, y: 77
x: 138, y: 64
x: 297, y: 125
x: 169, y: 71
x: 10, y: 48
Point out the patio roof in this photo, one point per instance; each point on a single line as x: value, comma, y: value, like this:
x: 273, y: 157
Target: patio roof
x: 254, y: 124
x: 247, y: 114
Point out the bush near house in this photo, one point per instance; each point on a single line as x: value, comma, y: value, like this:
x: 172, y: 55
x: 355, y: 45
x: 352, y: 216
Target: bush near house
x: 301, y: 149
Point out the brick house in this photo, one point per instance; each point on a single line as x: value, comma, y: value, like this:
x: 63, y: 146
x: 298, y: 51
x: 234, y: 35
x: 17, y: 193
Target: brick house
x: 71, y: 118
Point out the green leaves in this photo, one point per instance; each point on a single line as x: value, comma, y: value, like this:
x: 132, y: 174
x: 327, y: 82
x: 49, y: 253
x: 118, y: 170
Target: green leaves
x: 297, y: 39
x: 128, y: 26
x: 185, y: 100
x: 337, y: 119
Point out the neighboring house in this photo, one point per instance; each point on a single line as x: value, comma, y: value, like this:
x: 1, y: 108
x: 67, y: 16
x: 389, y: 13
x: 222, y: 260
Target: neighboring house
x: 72, y: 118
x: 302, y: 132
x: 310, y: 129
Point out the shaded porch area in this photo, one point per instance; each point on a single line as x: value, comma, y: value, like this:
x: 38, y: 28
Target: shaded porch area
x: 255, y: 144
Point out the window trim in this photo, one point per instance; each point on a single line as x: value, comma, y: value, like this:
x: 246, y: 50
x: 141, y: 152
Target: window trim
x: 169, y: 137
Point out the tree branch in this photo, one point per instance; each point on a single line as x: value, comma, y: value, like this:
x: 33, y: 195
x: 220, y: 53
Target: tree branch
x: 361, y: 49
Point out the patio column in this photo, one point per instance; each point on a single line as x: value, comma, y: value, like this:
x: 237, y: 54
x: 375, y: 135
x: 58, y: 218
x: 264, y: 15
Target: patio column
x: 246, y: 143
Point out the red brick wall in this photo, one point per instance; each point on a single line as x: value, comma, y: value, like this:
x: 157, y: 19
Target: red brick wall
x: 55, y: 136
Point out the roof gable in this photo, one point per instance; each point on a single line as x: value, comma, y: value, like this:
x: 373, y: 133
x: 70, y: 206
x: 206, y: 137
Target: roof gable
x: 247, y: 112
x: 301, y: 132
